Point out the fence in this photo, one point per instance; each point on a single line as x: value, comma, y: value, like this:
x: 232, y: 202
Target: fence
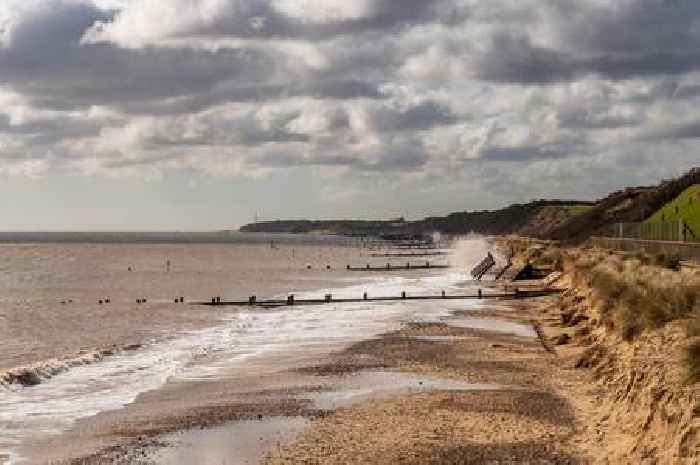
x: 685, y: 250
x: 674, y: 231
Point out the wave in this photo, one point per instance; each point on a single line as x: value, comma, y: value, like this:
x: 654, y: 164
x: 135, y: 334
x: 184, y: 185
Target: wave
x: 37, y: 373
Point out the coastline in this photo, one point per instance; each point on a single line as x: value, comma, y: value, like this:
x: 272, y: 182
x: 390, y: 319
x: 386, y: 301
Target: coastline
x: 429, y: 392
x: 542, y: 380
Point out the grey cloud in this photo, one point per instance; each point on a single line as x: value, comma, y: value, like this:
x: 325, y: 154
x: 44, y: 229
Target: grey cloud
x: 580, y: 118
x: 258, y: 19
x: 528, y: 153
x: 425, y: 115
x: 681, y: 131
x: 404, y: 156
x: 247, y: 130
x: 513, y: 58
x: 233, y: 92
x: 50, y: 130
x: 628, y: 39
x: 46, y: 61
x: 401, y: 155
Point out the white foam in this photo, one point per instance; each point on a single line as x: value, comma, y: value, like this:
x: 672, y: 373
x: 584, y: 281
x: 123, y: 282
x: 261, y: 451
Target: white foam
x: 54, y: 405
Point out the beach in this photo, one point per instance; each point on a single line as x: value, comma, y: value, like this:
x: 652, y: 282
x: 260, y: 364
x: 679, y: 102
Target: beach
x: 484, y: 381
x: 430, y: 392
x: 76, y: 371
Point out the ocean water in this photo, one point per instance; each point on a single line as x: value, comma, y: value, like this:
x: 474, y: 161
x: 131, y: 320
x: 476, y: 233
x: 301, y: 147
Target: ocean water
x: 65, y: 357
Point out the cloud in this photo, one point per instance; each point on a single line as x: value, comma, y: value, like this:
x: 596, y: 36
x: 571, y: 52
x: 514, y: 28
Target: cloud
x: 372, y: 93
x: 146, y: 21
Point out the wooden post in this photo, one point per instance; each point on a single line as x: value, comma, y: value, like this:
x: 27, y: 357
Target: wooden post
x: 443, y: 294
x: 403, y: 295
x: 388, y: 266
x: 368, y: 266
x: 290, y: 300
x: 408, y: 265
x: 252, y: 299
x: 480, y: 294
x: 427, y: 265
x: 329, y: 297
x: 364, y: 296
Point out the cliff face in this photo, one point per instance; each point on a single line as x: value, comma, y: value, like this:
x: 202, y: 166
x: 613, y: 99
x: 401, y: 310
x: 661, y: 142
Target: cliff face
x: 628, y: 324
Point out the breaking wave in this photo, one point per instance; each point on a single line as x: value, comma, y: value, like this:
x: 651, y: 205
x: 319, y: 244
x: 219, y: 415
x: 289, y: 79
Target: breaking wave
x: 37, y: 373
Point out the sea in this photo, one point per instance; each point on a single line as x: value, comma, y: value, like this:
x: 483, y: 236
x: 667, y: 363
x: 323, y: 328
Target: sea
x: 90, y: 321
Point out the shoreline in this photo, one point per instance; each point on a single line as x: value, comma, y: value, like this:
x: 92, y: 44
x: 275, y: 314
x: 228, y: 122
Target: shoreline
x: 500, y: 378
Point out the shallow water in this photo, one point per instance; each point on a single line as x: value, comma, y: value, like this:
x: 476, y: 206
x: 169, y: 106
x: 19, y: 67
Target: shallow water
x: 379, y: 384
x: 239, y: 443
x: 247, y: 442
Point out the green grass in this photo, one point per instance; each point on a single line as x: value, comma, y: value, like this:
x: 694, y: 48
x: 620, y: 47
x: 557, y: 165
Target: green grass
x: 685, y: 207
x: 574, y: 210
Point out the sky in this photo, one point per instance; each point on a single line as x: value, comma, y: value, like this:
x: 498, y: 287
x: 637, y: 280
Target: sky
x: 202, y: 114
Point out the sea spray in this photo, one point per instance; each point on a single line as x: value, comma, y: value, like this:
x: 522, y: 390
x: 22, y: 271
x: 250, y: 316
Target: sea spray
x: 468, y: 251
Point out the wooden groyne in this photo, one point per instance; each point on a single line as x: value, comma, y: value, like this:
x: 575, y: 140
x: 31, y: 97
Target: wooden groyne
x: 408, y: 255
x: 329, y: 299
x: 390, y: 267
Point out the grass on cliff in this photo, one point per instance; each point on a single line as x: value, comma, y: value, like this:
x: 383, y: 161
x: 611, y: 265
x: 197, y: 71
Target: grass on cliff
x: 646, y: 293
x: 635, y: 292
x: 685, y: 207
x: 637, y: 297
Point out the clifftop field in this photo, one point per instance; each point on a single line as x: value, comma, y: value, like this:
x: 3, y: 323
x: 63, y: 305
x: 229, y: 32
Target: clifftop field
x: 685, y: 207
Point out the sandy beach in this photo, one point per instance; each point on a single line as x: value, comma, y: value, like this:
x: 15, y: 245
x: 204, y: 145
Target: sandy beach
x: 433, y: 392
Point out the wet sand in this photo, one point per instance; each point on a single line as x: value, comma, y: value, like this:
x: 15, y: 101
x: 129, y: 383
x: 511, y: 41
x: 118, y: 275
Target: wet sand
x: 428, y: 393
x: 526, y: 420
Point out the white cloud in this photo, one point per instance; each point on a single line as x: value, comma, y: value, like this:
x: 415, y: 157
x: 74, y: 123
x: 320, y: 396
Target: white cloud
x: 519, y: 90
